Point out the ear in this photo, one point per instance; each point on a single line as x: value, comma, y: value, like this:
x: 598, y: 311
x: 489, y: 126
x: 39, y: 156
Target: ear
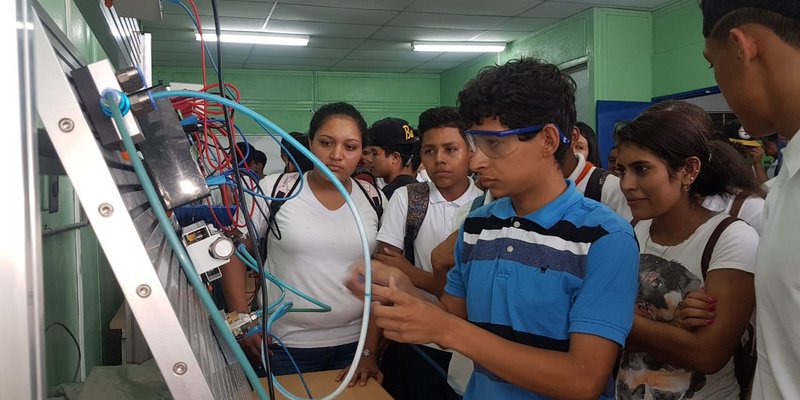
x: 551, y: 139
x: 691, y: 170
x: 744, y: 44
x: 576, y: 135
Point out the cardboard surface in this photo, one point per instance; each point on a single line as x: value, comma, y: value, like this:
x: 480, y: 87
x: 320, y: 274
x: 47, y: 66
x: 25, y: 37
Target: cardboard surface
x: 323, y: 383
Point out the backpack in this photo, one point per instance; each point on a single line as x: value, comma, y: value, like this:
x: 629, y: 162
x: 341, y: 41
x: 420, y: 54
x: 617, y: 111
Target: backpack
x: 288, y: 182
x: 594, y: 186
x: 744, y: 357
x: 418, y: 199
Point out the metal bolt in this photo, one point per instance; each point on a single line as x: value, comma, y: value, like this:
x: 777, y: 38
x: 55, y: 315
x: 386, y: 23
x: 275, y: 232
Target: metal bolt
x: 66, y: 125
x: 105, y: 209
x: 143, y: 290
x: 179, y: 368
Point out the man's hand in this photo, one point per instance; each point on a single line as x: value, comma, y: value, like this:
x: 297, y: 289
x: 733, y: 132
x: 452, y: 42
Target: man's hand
x: 381, y: 273
x: 409, y: 319
x: 393, y: 258
x: 757, y: 156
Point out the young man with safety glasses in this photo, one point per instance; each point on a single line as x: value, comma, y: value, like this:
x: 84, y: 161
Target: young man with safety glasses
x: 542, y: 294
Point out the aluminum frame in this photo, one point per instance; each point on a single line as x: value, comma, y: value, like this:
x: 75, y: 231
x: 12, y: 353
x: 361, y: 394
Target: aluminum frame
x: 84, y: 162
x: 22, y: 305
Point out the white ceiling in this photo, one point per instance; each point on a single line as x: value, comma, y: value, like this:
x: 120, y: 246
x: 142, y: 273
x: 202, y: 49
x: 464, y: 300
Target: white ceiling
x: 361, y: 35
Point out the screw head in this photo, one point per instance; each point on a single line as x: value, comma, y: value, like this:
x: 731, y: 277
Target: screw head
x: 105, y: 209
x: 143, y: 290
x: 66, y: 125
x: 179, y: 368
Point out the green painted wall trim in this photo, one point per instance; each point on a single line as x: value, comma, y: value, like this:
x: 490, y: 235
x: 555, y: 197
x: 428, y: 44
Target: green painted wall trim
x: 561, y: 44
x: 621, y: 64
x: 678, y: 64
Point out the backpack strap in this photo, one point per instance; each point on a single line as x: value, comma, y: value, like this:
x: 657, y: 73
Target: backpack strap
x: 283, y: 188
x: 594, y: 186
x: 477, y: 202
x: 418, y: 199
x: 738, y: 202
x: 372, y: 193
x: 712, y: 242
x: 585, y: 171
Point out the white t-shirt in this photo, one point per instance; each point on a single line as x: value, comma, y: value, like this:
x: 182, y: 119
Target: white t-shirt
x: 610, y: 195
x: 436, y: 225
x: 778, y: 285
x: 667, y: 274
x: 751, y: 210
x: 318, y: 247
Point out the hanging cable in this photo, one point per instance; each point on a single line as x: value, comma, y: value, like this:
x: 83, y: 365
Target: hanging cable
x: 321, y: 167
x: 242, y: 199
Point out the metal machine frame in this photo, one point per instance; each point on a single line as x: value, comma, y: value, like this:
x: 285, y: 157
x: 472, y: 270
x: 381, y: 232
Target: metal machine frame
x: 22, y: 308
x: 167, y: 311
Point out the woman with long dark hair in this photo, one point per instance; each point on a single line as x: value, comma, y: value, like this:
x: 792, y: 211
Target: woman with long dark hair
x: 667, y: 163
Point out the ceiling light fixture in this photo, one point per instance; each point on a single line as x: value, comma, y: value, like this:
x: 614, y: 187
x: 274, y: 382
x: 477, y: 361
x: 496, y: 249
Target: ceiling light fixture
x: 459, y: 47
x: 257, y: 38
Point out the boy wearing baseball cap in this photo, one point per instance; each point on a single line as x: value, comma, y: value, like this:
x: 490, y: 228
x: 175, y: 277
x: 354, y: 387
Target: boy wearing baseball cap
x: 395, y: 153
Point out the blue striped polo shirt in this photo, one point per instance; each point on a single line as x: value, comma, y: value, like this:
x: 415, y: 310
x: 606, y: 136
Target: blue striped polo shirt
x: 569, y: 267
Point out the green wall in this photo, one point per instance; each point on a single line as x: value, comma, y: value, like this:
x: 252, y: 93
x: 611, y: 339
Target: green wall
x: 289, y: 98
x: 678, y: 63
x: 77, y: 278
x: 615, y: 45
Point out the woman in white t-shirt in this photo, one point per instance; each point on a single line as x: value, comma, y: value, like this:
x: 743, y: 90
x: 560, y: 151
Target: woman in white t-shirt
x: 312, y: 243
x: 667, y: 162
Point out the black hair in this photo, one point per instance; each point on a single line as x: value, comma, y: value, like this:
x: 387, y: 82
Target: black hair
x: 439, y: 117
x: 720, y: 16
x: 521, y: 93
x: 302, y: 161
x: 591, y: 138
x: 409, y: 153
x: 337, y: 109
x: 247, y: 152
x: 677, y: 130
x: 259, y: 157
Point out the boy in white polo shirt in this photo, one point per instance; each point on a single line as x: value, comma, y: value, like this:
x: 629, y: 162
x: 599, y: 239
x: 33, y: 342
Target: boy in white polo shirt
x: 754, y: 49
x: 445, y: 154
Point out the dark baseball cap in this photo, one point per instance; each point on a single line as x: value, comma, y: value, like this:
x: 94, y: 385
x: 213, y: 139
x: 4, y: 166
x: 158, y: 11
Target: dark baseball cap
x: 391, y: 132
x: 714, y: 10
x: 737, y: 134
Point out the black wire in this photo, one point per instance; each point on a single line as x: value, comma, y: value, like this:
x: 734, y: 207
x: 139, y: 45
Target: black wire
x: 78, y: 346
x: 243, y: 204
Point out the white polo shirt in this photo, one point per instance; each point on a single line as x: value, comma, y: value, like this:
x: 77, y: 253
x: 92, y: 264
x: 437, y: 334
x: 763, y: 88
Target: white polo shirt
x: 610, y: 195
x: 751, y: 211
x: 778, y: 285
x: 435, y: 228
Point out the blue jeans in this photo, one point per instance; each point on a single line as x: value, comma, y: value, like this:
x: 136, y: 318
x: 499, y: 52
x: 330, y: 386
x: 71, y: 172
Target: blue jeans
x: 311, y: 359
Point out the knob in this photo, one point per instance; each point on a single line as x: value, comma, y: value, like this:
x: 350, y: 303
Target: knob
x: 222, y: 248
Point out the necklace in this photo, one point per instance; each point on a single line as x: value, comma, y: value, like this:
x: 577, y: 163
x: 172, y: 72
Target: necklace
x: 675, y: 238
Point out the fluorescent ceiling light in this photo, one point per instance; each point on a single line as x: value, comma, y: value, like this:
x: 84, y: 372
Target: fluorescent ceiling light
x: 257, y: 38
x: 459, y: 47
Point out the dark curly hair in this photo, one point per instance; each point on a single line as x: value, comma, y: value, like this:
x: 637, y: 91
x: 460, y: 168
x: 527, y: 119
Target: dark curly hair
x: 521, y: 93
x: 439, y: 117
x: 677, y: 130
x: 337, y: 109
